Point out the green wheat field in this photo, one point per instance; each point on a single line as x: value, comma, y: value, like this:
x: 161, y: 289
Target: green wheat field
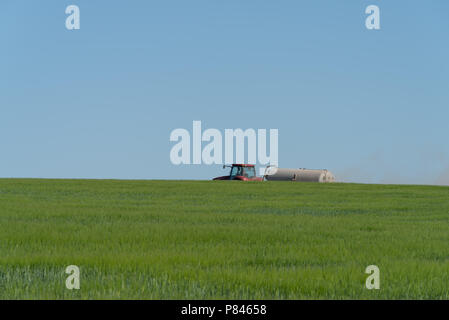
x: 222, y: 240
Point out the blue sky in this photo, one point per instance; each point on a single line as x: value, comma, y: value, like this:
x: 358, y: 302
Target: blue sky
x: 100, y: 102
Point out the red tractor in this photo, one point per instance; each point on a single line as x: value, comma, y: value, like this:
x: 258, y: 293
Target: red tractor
x: 242, y: 172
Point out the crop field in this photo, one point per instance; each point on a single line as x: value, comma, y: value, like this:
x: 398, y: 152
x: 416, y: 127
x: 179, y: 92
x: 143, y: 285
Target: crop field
x: 222, y: 240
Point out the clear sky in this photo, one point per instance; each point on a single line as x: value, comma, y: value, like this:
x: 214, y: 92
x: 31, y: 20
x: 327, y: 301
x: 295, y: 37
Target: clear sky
x: 100, y: 102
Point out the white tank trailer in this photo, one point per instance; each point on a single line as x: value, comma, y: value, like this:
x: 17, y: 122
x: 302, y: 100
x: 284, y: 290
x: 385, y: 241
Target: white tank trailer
x: 298, y: 175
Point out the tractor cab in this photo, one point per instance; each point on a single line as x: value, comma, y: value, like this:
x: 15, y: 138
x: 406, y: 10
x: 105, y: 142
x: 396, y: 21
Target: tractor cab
x: 242, y: 172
